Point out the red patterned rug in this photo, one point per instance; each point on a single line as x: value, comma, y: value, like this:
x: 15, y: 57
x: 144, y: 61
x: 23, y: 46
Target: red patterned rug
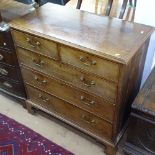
x: 16, y: 139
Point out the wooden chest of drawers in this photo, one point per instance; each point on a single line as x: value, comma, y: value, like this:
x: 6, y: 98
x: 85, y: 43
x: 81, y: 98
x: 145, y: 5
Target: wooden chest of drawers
x: 10, y: 75
x: 141, y: 132
x: 81, y: 68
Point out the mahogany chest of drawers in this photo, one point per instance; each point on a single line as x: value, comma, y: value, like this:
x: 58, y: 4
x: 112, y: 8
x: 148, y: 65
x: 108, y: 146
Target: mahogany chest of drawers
x: 10, y: 75
x: 81, y: 68
x: 141, y: 132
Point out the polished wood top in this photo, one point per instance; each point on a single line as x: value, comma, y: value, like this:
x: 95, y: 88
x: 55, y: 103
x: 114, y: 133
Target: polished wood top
x: 11, y: 9
x: 103, y: 36
x: 145, y: 101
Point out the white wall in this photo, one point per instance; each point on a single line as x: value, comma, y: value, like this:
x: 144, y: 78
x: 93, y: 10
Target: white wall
x: 145, y: 14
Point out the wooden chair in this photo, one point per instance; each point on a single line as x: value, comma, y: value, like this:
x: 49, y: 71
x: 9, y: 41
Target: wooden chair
x: 108, y: 9
x: 113, y: 8
x: 124, y: 5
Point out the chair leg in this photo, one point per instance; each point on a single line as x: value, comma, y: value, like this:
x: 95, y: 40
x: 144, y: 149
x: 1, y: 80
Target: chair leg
x: 109, y: 6
x: 135, y: 3
x: 133, y: 15
x: 130, y: 2
x: 79, y: 4
x: 123, y: 8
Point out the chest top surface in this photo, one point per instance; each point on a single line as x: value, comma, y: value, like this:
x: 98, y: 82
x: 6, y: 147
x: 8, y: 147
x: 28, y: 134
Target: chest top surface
x: 103, y: 36
x: 145, y: 101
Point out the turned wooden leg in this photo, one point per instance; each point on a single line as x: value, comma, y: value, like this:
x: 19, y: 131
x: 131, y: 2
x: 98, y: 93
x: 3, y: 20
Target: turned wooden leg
x: 109, y: 150
x: 30, y: 108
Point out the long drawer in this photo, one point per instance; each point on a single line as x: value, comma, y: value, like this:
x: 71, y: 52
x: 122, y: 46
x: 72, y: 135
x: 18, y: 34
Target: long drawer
x: 103, y: 88
x: 36, y: 44
x: 9, y: 72
x: 91, y: 63
x: 77, y: 116
x: 12, y: 87
x: 8, y: 58
x: 95, y: 105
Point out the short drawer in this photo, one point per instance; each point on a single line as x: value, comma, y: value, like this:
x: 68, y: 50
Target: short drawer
x: 35, y: 43
x: 8, y: 58
x: 93, y: 104
x: 100, y: 87
x: 10, y: 72
x: 12, y: 87
x: 71, y: 113
x: 90, y: 63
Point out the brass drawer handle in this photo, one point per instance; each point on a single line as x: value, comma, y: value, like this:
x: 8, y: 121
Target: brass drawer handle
x: 88, y: 120
x: 86, y: 101
x: 7, y: 84
x: 40, y: 81
x: 87, y: 62
x: 32, y: 43
x: 1, y: 57
x: 44, y: 99
x: 3, y: 71
x: 38, y: 43
x: 87, y: 83
x: 39, y: 63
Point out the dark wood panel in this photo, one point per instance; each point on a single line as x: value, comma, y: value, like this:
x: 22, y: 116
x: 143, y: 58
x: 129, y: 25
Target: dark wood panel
x: 8, y: 58
x: 141, y: 132
x: 10, y: 72
x: 6, y: 42
x: 12, y: 87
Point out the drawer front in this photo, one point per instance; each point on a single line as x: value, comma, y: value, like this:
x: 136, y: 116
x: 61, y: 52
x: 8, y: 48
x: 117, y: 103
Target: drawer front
x: 12, y: 87
x: 8, y: 58
x: 79, y: 98
x: 9, y: 72
x: 35, y: 43
x: 103, y: 88
x: 90, y: 63
x: 75, y: 115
